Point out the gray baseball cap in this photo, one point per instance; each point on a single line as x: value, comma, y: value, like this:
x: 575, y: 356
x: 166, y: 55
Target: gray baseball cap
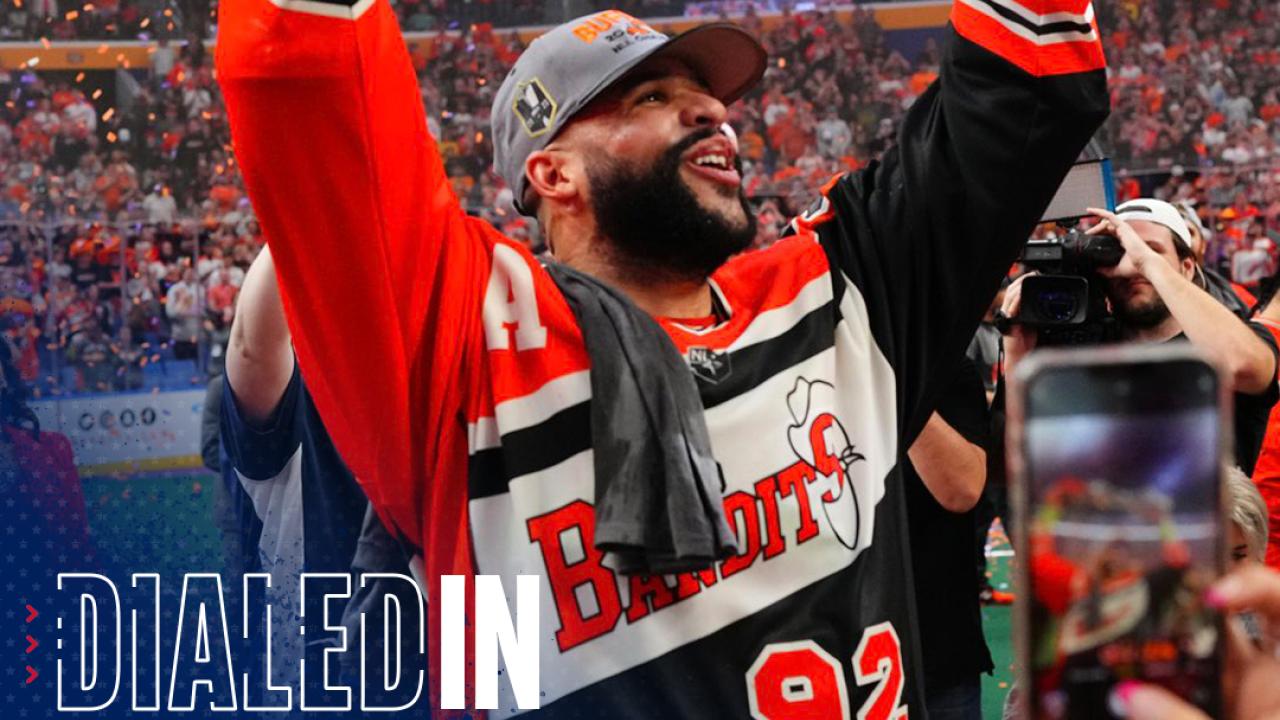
x: 570, y: 65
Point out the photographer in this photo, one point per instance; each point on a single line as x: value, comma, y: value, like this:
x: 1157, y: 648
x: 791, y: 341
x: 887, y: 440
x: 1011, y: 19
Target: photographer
x: 1154, y: 298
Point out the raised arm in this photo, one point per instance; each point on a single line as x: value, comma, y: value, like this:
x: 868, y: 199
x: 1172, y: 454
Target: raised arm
x: 926, y: 235
x: 259, y: 355
x: 331, y: 137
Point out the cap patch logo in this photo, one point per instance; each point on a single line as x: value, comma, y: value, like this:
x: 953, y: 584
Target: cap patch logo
x: 535, y: 107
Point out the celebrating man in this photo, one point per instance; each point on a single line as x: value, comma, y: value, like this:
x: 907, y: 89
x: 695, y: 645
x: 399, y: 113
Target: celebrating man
x: 739, y: 556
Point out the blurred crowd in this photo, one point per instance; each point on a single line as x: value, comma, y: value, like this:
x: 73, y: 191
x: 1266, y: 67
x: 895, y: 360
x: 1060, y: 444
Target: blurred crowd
x: 102, y: 20
x: 125, y: 230
x: 150, y: 19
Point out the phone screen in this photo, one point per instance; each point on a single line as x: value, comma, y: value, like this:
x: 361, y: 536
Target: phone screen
x: 1123, y: 533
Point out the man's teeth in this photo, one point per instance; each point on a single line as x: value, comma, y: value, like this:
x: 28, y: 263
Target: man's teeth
x: 719, y: 161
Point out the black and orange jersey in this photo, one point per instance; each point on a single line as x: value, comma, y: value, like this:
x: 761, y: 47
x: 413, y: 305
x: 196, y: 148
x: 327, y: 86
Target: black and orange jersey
x: 452, y: 375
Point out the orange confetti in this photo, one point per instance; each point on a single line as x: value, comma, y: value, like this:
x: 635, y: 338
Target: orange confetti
x: 80, y: 77
x: 88, y: 7
x: 45, y: 42
x: 97, y: 94
x: 73, y: 14
x: 107, y: 115
x: 102, y: 49
x: 111, y: 137
x: 168, y: 12
x: 145, y: 22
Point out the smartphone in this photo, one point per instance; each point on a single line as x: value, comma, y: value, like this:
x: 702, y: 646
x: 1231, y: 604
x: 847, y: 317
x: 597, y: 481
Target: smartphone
x: 1117, y: 456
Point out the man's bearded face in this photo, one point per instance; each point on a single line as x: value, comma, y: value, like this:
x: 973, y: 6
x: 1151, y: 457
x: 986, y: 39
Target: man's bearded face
x: 660, y: 224
x: 1136, y: 303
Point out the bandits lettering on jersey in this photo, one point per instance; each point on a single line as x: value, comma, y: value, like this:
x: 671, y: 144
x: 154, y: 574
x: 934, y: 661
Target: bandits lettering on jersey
x: 824, y: 458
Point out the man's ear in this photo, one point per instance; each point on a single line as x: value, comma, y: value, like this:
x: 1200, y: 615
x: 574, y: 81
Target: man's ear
x: 1188, y: 268
x: 552, y: 176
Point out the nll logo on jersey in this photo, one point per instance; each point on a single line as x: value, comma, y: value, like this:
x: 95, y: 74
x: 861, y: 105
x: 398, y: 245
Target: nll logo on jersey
x: 710, y: 365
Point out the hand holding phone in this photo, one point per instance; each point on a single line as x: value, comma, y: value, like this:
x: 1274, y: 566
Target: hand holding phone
x: 1118, y: 457
x: 1252, y: 676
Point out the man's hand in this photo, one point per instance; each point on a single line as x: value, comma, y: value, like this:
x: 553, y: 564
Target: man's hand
x: 1020, y: 340
x: 1136, y: 249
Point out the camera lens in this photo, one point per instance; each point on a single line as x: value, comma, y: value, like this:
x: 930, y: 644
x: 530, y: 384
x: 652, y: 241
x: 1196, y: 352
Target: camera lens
x: 1057, y: 306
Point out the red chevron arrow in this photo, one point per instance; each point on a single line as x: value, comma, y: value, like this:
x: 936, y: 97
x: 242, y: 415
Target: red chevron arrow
x: 31, y: 674
x: 31, y: 644
x: 31, y: 613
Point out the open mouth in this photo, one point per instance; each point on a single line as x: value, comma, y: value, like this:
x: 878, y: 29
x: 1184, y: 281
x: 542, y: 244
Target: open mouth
x: 715, y: 160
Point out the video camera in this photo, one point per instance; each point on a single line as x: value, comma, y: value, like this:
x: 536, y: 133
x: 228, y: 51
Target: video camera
x: 1066, y: 303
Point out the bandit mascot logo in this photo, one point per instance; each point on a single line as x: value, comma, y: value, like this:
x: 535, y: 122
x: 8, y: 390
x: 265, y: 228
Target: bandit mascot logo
x: 818, y: 437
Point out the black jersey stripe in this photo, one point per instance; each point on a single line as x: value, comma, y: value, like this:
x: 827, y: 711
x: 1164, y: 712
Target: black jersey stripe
x: 754, y: 364
x: 485, y: 474
x: 530, y: 450
x: 1064, y: 26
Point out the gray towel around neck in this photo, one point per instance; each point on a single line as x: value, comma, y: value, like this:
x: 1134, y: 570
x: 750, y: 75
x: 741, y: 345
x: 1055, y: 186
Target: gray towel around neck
x: 658, y: 505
